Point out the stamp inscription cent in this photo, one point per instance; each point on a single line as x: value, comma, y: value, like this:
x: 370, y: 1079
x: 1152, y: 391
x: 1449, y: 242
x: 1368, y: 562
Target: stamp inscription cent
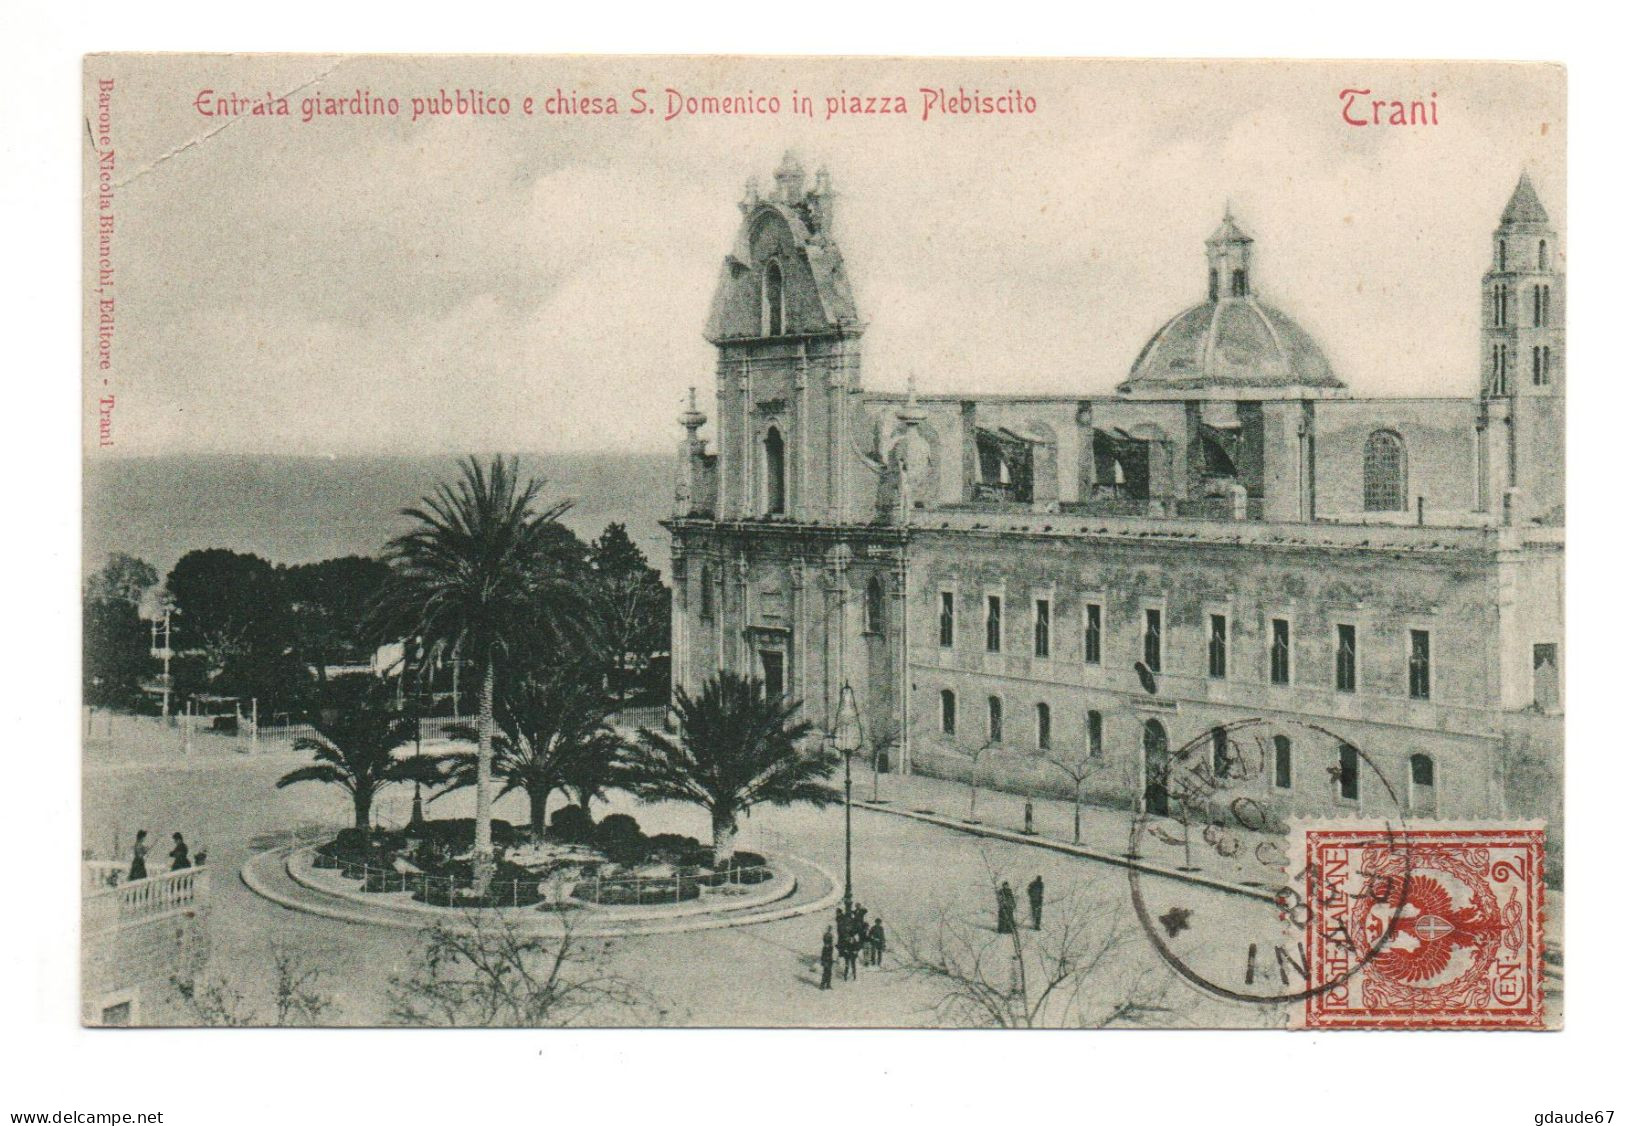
x: 1445, y: 922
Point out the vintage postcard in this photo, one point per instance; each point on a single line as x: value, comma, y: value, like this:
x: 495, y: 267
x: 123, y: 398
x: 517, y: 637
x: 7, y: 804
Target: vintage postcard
x: 813, y: 542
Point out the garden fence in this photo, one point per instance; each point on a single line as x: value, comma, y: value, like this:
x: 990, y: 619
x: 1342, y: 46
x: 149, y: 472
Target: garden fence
x: 680, y: 886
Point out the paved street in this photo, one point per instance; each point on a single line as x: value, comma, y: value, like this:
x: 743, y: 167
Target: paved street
x: 914, y: 875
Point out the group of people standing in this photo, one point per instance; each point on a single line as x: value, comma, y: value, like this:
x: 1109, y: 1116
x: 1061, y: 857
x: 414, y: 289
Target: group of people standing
x: 1006, y: 900
x: 180, y: 856
x: 853, y: 937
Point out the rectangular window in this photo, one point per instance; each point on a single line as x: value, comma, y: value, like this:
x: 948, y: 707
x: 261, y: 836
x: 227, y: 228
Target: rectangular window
x: 1421, y: 677
x: 1348, y: 772
x: 1153, y: 640
x: 1221, y: 752
x: 1346, y: 658
x: 1283, y: 763
x: 995, y: 623
x: 1218, y: 640
x: 1280, y: 651
x: 1097, y: 735
x: 950, y: 708
x: 1041, y: 715
x: 1041, y: 628
x: 995, y: 720
x: 773, y: 673
x: 1091, y: 634
x: 945, y: 620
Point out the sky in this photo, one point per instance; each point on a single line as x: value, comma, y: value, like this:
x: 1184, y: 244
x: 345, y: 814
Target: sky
x: 376, y: 285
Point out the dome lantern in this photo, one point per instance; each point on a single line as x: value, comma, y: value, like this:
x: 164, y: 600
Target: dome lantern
x: 1229, y: 260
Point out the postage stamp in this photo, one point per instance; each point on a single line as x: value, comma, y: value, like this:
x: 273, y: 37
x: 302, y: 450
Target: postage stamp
x: 1445, y: 923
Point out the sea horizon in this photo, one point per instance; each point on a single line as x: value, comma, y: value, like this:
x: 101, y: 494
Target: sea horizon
x: 302, y: 508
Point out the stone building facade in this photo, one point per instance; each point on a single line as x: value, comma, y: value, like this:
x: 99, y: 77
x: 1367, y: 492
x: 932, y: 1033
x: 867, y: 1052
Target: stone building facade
x: 1230, y: 537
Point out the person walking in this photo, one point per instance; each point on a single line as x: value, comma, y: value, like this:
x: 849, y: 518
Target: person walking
x: 877, y: 942
x: 138, y: 856
x: 1035, y: 900
x: 180, y: 856
x: 1007, y: 908
x: 826, y: 958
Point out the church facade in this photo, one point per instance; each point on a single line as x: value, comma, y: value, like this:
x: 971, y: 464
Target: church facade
x: 1012, y: 582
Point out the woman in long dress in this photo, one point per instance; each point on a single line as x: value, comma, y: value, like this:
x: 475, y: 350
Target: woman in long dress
x: 1007, y: 909
x: 138, y: 856
x: 180, y: 855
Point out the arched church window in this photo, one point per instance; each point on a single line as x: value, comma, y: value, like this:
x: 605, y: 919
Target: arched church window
x: 874, y: 605
x: 1501, y: 255
x: 1385, y: 489
x: 773, y: 456
x: 1542, y: 254
x: 1213, y: 285
x: 773, y: 300
x: 1238, y: 283
x: 707, y: 603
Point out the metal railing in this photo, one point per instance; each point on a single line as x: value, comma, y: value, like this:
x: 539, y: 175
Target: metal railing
x: 681, y: 886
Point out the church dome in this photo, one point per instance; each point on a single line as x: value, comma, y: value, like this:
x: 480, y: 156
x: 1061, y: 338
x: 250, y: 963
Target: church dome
x: 1232, y: 344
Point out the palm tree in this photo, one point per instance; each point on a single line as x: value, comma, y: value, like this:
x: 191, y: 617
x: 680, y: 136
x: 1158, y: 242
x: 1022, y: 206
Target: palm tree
x: 477, y: 579
x: 354, y: 743
x: 736, y: 749
x: 554, y: 735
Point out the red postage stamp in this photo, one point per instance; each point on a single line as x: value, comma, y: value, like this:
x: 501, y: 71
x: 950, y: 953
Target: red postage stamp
x: 1436, y: 927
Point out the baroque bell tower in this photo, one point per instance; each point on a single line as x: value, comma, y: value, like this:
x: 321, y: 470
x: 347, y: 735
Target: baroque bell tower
x: 787, y: 334
x: 780, y: 571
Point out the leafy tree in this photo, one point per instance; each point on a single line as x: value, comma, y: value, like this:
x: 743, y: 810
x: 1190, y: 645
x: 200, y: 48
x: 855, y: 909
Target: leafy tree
x: 123, y: 578
x: 480, y: 577
x: 234, y: 617
x: 355, y: 737
x: 229, y: 603
x: 116, y: 653
x: 634, y: 604
x: 737, y: 748
x: 554, y: 735
x: 116, y: 642
x: 329, y: 602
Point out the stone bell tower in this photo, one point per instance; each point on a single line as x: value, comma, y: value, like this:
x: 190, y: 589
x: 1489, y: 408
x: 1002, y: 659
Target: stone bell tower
x: 1523, y: 302
x: 1522, y: 368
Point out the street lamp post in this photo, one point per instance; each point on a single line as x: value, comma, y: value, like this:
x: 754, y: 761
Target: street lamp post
x: 417, y: 733
x: 848, y: 740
